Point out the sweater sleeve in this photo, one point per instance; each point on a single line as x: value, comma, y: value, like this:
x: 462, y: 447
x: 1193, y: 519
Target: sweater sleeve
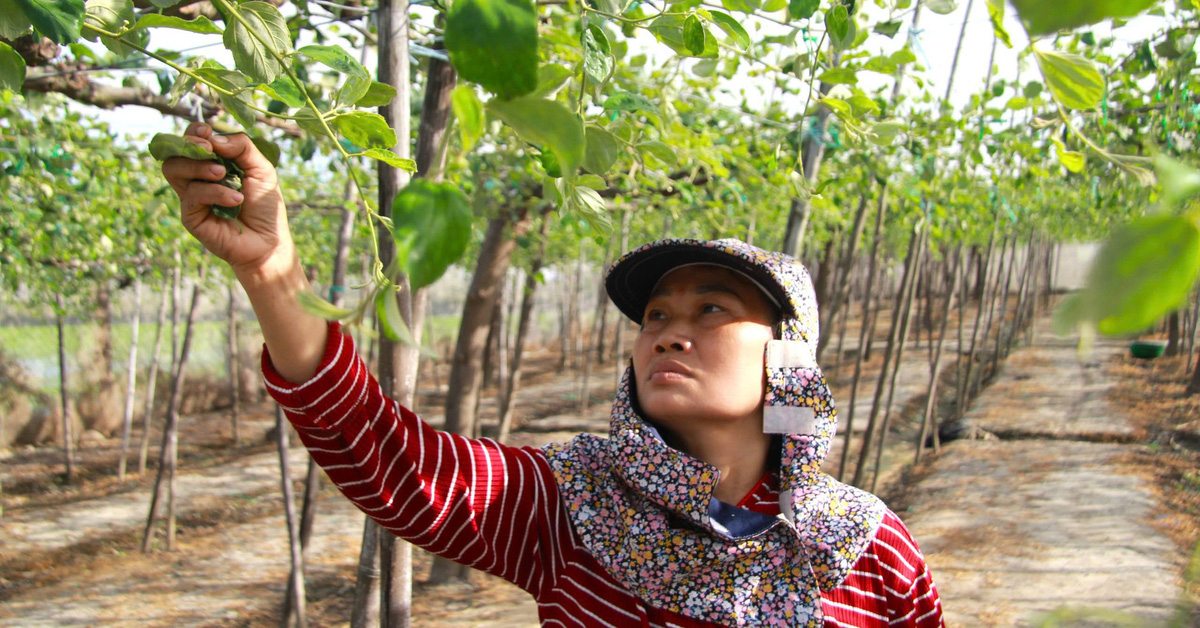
x: 890, y: 583
x: 477, y: 502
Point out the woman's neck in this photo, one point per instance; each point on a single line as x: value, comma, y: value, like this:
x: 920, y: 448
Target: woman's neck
x: 740, y: 454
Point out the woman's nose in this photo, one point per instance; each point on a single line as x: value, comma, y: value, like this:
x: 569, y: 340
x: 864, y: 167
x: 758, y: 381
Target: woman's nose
x: 672, y: 342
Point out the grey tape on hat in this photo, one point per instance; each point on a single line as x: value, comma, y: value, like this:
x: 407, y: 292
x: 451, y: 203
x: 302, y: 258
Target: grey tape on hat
x: 789, y: 420
x: 790, y: 354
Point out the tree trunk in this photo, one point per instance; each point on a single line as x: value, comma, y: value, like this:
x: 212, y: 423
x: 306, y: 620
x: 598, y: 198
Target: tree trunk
x: 104, y: 314
x: 618, y: 347
x: 872, y: 272
x: 466, y: 369
x: 962, y: 31
x: 130, y: 376
x: 168, y: 454
x: 235, y: 405
x: 964, y: 388
x: 823, y: 287
x: 293, y: 605
x: 889, y: 352
x: 812, y: 150
x: 152, y: 382
x: 397, y: 363
x: 1194, y: 385
x: 176, y: 298
x: 576, y: 311
x: 508, y: 399
x: 930, y: 420
x: 841, y: 293
x: 904, y: 322
x: 1173, y: 334
x: 68, y: 439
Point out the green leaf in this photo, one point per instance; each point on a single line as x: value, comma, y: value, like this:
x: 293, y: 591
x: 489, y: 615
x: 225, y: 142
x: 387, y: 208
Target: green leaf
x: 837, y: 24
x: 13, y: 23
x: 1016, y: 102
x: 941, y: 6
x: 736, y: 32
x: 391, y: 322
x: 546, y: 123
x: 602, y: 151
x: 670, y: 30
x: 12, y: 68
x: 888, y: 29
x: 590, y: 205
x: 1044, y: 18
x: 257, y: 59
x: 597, y: 54
x: 1179, y: 181
x: 838, y: 106
x: 771, y: 6
x: 995, y: 10
x: 1073, y: 79
x: 335, y: 57
x: 629, y: 101
x: 57, y: 19
x: 885, y: 132
x: 164, y: 146
x: 551, y: 76
x: 365, y: 129
x: 469, y: 111
x: 803, y: 9
x: 391, y: 159
x: 378, y: 95
x: 494, y: 43
x: 432, y: 227
x: 1070, y: 159
x: 902, y: 56
x: 201, y: 24
x: 592, y: 181
x: 285, y: 91
x: 658, y: 150
x: 317, y: 306
x: 352, y: 90
x: 694, y: 35
x: 270, y: 150
x: 108, y: 15
x: 1144, y: 270
x: 839, y: 76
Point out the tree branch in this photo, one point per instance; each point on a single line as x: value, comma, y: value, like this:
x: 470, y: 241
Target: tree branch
x: 69, y: 80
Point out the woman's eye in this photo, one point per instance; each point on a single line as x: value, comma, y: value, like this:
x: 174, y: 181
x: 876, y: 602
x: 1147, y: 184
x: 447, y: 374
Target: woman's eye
x: 709, y: 308
x: 654, y: 315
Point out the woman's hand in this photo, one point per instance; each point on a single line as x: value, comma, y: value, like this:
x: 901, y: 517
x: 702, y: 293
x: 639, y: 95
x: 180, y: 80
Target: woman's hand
x: 260, y: 247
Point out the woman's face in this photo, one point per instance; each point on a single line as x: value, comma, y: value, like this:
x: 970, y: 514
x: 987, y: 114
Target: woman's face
x: 699, y: 355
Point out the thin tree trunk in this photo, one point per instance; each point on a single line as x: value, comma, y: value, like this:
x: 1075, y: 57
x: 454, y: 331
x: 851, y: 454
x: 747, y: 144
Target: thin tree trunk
x: 168, y: 454
x: 874, y: 318
x: 929, y: 419
x: 576, y: 312
x: 293, y: 606
x: 904, y: 322
x: 397, y: 364
x: 1194, y: 385
x: 235, y: 401
x: 152, y: 382
x: 176, y: 297
x: 618, y: 346
x: 962, y: 31
x: 508, y: 400
x: 131, y: 376
x: 889, y: 352
x: 964, y: 389
x: 841, y: 293
x: 872, y: 272
x: 1001, y: 335
x: 68, y: 437
x: 811, y: 153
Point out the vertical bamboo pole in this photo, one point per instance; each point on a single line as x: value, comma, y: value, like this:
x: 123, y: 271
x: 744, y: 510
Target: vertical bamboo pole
x: 130, y: 376
x: 64, y: 396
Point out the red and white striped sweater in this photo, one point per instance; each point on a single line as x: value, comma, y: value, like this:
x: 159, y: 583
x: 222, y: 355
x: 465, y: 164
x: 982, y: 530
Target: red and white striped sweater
x: 497, y: 508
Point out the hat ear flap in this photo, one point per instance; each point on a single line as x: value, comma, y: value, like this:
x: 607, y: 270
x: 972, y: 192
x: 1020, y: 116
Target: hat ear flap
x: 797, y: 401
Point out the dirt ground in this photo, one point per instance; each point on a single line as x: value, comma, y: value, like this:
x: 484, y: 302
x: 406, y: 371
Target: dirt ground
x: 70, y: 555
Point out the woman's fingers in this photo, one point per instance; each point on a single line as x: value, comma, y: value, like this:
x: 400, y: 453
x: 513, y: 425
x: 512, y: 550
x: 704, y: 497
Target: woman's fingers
x: 242, y: 151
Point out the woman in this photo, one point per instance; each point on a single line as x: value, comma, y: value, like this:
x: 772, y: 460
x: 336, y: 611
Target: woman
x: 705, y: 506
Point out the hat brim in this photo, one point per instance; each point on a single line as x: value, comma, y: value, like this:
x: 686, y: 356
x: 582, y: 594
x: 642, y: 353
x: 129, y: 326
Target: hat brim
x: 630, y: 280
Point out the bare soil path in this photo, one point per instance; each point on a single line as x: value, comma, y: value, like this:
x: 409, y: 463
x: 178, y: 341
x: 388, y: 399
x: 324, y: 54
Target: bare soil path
x: 1045, y: 516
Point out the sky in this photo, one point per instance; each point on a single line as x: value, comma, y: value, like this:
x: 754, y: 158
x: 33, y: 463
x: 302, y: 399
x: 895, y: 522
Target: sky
x: 935, y: 43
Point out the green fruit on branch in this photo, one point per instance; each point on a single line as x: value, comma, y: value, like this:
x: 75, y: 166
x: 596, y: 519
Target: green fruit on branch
x: 164, y: 146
